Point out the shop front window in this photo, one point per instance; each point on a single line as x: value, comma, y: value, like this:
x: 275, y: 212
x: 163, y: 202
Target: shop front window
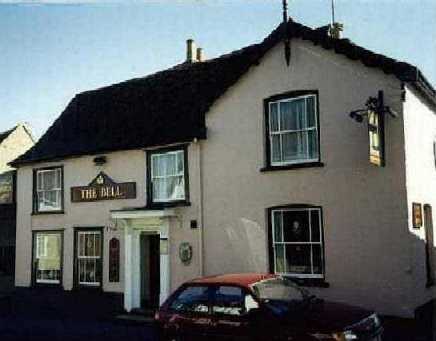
x: 89, y: 257
x: 48, y: 257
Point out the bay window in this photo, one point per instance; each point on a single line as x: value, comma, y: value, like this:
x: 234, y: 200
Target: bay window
x: 167, y: 176
x: 292, y: 129
x: 296, y: 240
x: 48, y: 190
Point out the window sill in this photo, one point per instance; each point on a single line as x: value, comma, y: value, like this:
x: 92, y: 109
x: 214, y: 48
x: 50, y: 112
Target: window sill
x: 310, y: 282
x: 162, y: 205
x: 292, y: 166
x: 48, y: 212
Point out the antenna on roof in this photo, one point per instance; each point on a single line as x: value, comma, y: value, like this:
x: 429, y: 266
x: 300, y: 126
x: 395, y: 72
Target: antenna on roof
x: 333, y: 12
x: 335, y: 27
x: 287, y: 40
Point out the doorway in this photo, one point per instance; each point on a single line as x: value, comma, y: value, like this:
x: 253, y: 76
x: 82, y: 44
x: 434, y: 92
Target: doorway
x: 150, y: 270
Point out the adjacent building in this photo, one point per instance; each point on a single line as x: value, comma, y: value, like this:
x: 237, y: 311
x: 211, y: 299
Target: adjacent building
x: 13, y: 143
x: 236, y: 164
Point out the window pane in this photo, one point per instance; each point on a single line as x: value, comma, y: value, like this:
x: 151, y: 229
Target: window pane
x: 159, y: 189
x: 49, y: 200
x: 277, y: 226
x: 274, y: 117
x: 49, y: 180
x: 58, y: 183
x: 89, y: 245
x: 294, y: 146
x: 296, y: 226
x: 313, y: 144
x: 6, y: 188
x: 280, y: 258
x: 228, y: 301
x: 292, y: 115
x: 276, y: 152
x: 298, y: 259
x: 171, y: 164
x: 314, y: 222
x: 192, y: 299
x: 310, y: 109
x: 97, y: 250
x: 180, y: 162
x: 48, y: 257
x: 317, y: 259
x: 175, y: 187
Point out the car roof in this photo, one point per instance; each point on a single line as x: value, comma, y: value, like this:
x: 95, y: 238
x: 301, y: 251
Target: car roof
x: 241, y: 279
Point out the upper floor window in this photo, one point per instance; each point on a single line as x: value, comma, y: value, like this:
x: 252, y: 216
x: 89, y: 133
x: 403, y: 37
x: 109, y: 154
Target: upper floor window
x: 297, y: 242
x: 292, y: 129
x: 168, y: 177
x: 7, y: 188
x: 48, y: 190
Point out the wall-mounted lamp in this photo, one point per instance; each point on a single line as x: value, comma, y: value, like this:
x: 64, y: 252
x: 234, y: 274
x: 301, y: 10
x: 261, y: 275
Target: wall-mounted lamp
x: 100, y: 160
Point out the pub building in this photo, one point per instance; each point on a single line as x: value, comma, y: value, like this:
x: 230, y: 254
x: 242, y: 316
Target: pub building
x: 312, y: 159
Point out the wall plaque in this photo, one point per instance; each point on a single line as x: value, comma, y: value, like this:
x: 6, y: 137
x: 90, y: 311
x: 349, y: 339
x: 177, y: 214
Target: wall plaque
x: 114, y: 260
x: 103, y: 188
x: 185, y: 253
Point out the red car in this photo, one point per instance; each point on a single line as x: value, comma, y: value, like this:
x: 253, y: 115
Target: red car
x: 259, y: 307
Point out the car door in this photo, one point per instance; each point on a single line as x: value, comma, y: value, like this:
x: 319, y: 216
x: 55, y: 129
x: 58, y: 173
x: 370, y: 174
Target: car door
x: 230, y: 317
x: 190, y: 311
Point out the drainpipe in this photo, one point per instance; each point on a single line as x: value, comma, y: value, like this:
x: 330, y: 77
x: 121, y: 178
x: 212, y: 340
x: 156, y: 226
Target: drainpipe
x: 200, y: 208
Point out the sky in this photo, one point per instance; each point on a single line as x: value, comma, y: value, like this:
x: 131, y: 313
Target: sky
x: 50, y: 50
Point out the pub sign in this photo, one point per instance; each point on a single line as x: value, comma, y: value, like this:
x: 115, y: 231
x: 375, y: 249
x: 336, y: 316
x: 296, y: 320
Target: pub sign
x: 103, y: 188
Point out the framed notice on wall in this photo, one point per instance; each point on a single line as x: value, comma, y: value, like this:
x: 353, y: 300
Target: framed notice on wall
x: 417, y: 215
x: 114, y: 260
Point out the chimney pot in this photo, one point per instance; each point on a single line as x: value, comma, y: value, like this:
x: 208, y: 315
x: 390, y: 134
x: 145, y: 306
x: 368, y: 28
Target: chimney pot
x: 200, y: 56
x: 190, y: 48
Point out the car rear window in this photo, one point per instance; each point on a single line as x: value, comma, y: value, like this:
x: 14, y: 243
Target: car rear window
x: 192, y: 299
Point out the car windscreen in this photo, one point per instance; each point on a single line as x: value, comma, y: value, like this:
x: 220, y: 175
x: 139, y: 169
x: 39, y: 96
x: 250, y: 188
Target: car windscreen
x: 279, y: 289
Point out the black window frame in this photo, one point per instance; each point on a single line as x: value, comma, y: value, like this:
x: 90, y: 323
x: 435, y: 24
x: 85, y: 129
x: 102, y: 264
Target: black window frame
x: 267, y: 143
x: 35, y: 209
x: 33, y: 264
x: 303, y: 281
x: 149, y: 195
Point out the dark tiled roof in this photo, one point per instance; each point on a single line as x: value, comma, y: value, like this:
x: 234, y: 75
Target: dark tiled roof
x: 4, y: 135
x: 170, y: 106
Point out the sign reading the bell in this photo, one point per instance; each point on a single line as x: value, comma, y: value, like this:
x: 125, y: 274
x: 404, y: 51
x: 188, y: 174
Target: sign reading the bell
x: 103, y: 188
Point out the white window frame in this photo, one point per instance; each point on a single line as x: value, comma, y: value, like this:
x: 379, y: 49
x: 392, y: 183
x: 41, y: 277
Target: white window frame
x: 182, y: 174
x: 58, y: 190
x: 95, y: 258
x: 284, y: 243
x: 282, y: 132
